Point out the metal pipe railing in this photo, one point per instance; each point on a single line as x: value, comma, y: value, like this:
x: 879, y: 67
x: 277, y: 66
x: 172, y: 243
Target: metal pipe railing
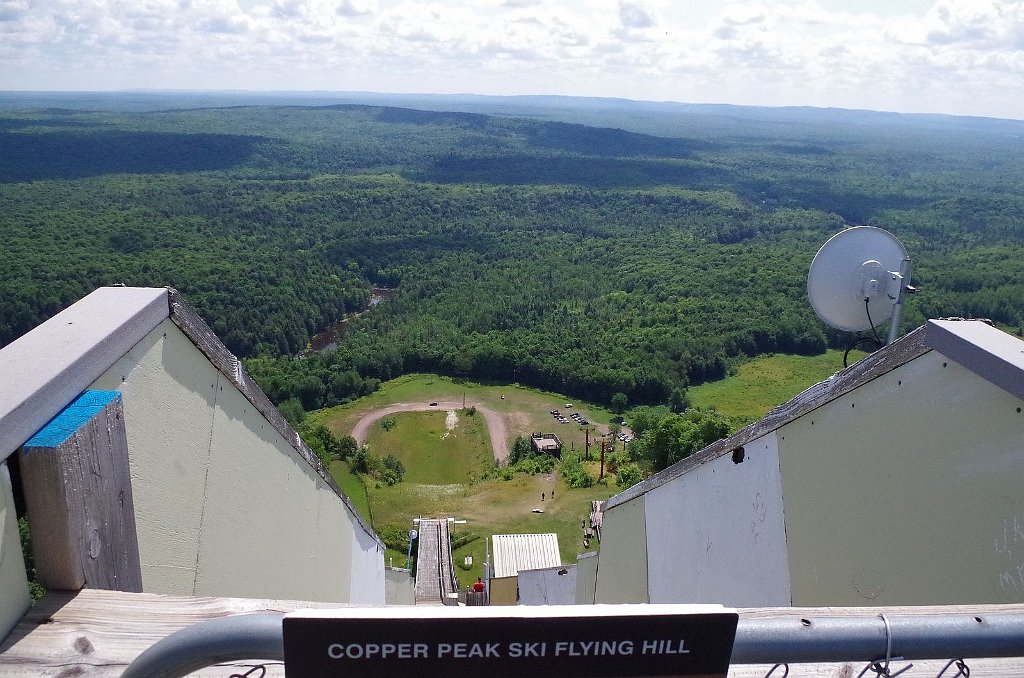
x: 244, y: 636
x: 785, y: 640
x: 837, y: 639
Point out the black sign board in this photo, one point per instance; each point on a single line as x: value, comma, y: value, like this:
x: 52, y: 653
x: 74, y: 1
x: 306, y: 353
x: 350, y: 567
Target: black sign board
x: 489, y: 642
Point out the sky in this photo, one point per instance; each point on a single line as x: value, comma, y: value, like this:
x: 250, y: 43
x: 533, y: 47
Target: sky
x: 963, y: 57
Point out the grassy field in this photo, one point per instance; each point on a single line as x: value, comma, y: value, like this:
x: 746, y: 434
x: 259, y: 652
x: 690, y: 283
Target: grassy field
x: 430, y: 452
x: 444, y: 472
x: 352, y: 486
x: 443, y: 476
x: 527, y: 410
x: 762, y: 383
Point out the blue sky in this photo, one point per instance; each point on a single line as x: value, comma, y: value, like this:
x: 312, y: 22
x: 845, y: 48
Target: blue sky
x: 933, y: 56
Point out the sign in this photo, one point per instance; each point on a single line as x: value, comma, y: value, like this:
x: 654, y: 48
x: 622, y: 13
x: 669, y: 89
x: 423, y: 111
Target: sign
x: 489, y: 642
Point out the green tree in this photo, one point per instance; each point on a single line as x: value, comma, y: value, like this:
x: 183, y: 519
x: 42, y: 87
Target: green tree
x: 679, y: 400
x: 347, y: 446
x: 361, y: 460
x: 320, y: 439
x: 292, y: 411
x: 521, y: 449
x: 619, y: 402
x: 678, y: 436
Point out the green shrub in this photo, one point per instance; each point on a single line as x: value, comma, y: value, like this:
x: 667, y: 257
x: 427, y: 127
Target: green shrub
x: 460, y: 540
x: 628, y: 475
x: 323, y: 443
x: 394, y: 537
x: 35, y: 589
x: 573, y: 472
x: 392, y: 470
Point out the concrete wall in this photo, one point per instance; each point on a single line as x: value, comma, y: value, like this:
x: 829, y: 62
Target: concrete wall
x: 366, y: 585
x: 717, y: 534
x: 907, y: 491
x: 400, y: 587
x: 548, y: 586
x: 622, y: 577
x: 586, y: 578
x: 224, y: 505
x: 13, y: 582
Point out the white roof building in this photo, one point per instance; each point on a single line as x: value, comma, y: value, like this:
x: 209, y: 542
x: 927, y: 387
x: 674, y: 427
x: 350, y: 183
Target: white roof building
x: 516, y: 552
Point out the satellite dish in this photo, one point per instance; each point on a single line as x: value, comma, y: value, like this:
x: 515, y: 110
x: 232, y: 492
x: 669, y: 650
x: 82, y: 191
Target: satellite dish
x: 858, y: 278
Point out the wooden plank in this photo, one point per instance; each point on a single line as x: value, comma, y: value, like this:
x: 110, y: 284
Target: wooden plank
x: 990, y: 353
x: 78, y: 498
x: 98, y: 633
x: 49, y: 366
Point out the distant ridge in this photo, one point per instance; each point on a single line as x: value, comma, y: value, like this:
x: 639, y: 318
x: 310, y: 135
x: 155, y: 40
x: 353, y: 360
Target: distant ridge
x: 560, y: 107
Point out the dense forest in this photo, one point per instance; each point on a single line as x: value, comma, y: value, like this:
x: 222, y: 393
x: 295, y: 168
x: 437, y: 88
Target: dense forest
x: 633, y: 258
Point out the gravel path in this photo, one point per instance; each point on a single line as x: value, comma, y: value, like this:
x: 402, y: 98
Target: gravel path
x: 497, y: 426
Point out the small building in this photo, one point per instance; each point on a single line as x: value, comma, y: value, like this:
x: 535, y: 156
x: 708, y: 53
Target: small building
x: 514, y: 553
x: 546, y: 443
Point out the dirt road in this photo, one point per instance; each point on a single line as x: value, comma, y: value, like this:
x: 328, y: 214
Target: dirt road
x: 497, y: 427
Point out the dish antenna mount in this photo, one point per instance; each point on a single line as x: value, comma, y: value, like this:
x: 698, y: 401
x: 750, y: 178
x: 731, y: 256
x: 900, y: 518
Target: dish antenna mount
x: 858, y: 280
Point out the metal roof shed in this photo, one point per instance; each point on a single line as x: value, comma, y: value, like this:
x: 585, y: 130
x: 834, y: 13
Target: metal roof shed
x: 514, y: 553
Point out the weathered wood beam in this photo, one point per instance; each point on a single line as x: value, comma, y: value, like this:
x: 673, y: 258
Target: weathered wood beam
x: 78, y: 498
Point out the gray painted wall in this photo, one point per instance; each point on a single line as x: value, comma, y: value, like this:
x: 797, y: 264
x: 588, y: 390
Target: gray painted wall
x: 547, y: 586
x: 717, y: 534
x: 907, y: 491
x: 622, y: 571
x: 400, y: 587
x: 586, y: 577
x: 224, y: 505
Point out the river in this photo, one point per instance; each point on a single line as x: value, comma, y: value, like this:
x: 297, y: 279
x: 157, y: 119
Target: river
x: 327, y: 340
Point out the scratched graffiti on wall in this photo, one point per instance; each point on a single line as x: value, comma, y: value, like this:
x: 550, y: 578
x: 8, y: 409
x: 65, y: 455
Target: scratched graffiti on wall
x: 1009, y: 546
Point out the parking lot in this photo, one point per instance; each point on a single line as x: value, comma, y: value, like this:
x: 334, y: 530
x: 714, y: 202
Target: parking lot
x: 580, y: 419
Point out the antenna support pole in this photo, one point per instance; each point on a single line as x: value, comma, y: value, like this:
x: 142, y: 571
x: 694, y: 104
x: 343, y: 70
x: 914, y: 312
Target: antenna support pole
x: 903, y: 277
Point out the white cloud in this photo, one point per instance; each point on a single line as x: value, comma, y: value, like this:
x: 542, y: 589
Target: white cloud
x: 632, y: 15
x: 11, y: 10
x: 959, y: 56
x: 351, y: 8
